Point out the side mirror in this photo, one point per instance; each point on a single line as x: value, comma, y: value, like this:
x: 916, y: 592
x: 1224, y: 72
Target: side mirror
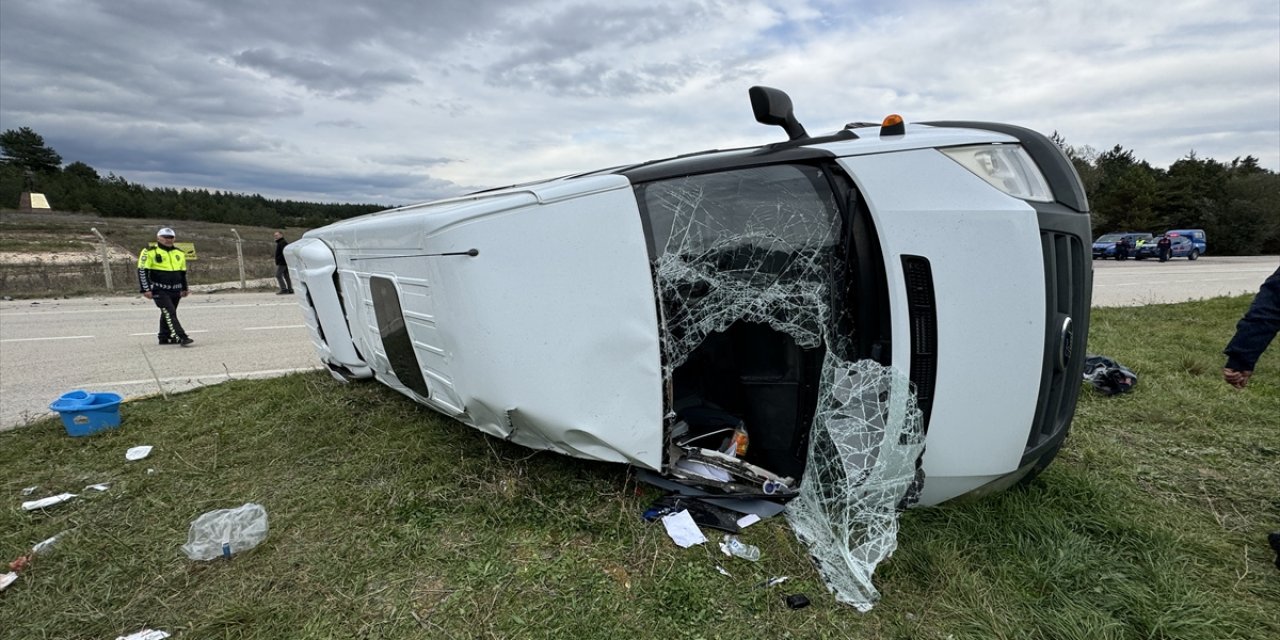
x: 773, y: 106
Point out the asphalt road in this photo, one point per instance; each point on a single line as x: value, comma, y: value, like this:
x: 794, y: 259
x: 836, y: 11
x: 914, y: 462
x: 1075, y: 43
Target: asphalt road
x: 49, y: 347
x: 1134, y: 283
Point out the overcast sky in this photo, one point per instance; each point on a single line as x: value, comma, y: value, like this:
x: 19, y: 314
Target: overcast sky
x: 399, y: 101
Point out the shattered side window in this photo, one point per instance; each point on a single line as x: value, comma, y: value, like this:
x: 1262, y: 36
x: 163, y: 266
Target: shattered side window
x: 765, y: 245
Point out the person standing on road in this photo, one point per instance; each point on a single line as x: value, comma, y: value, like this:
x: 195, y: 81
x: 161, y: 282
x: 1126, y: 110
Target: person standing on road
x: 162, y: 278
x: 1165, y: 247
x: 1122, y: 249
x: 282, y: 267
x: 1253, y: 333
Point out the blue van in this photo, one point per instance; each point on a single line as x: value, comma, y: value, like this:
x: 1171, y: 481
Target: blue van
x: 1195, y: 235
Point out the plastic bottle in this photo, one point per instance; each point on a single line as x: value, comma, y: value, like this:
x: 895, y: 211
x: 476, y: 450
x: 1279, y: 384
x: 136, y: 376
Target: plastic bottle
x: 732, y: 546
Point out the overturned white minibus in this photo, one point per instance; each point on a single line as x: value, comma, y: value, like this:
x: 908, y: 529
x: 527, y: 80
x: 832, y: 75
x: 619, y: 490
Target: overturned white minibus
x: 694, y: 316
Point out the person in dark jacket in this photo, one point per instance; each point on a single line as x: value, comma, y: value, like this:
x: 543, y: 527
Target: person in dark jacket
x: 1253, y: 333
x: 1122, y: 249
x: 282, y: 267
x: 1165, y: 247
x: 162, y: 278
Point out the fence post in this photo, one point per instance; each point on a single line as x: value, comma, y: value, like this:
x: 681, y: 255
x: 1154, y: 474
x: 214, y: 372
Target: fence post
x: 240, y: 257
x: 106, y: 262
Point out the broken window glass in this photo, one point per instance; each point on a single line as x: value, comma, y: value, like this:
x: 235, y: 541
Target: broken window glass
x: 764, y: 246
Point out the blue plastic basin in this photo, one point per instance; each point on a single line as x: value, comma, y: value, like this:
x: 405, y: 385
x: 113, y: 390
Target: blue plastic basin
x: 85, y: 413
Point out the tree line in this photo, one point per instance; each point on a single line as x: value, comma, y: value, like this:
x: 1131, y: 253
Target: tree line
x: 28, y: 164
x: 1236, y: 203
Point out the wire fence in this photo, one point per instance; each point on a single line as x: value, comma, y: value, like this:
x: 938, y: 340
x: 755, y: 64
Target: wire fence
x: 45, y: 278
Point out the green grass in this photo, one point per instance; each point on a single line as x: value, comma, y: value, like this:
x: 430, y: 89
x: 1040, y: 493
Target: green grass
x: 390, y: 522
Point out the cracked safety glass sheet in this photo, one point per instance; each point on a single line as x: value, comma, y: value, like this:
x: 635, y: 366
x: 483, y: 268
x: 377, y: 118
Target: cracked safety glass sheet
x: 762, y: 245
x: 866, y: 439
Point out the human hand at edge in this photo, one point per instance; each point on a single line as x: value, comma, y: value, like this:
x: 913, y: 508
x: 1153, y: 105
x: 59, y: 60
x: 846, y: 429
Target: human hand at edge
x: 185, y: 292
x: 1237, y: 379
x: 146, y: 294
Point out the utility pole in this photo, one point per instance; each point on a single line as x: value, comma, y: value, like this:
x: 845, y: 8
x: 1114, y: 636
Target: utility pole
x: 106, y: 262
x: 240, y: 257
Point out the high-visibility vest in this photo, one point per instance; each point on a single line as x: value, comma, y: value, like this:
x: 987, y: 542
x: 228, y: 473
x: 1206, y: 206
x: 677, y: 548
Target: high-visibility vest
x: 158, y: 258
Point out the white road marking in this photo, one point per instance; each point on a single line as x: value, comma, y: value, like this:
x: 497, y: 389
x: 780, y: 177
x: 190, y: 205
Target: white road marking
x: 35, y: 339
x: 283, y: 326
x: 150, y: 308
x: 152, y: 333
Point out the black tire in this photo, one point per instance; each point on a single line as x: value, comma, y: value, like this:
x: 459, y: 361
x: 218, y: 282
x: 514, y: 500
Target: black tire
x: 1193, y: 255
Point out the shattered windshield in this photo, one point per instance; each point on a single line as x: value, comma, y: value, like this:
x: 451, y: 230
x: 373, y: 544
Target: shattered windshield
x: 764, y: 246
x: 756, y: 244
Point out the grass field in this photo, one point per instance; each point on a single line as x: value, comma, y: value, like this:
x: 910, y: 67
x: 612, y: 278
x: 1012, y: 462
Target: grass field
x: 51, y: 254
x: 390, y: 522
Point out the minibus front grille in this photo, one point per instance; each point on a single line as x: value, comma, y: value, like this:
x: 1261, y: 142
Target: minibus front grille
x: 923, y: 315
x: 1066, y: 320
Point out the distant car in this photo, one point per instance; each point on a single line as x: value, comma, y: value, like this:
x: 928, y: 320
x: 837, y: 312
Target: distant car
x: 1105, y: 246
x: 1196, y: 236
x: 1180, y: 247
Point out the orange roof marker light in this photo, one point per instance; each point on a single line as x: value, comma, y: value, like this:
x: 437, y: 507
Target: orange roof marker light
x: 892, y: 126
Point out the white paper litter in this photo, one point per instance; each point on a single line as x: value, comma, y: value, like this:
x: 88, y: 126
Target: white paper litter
x: 145, y: 634
x: 47, y: 502
x: 98, y: 487
x: 682, y: 529
x: 138, y: 453
x: 30, y: 490
x: 748, y: 520
x: 723, y: 572
x: 7, y: 579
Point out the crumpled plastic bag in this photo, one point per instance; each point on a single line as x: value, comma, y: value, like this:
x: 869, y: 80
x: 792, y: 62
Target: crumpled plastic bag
x: 1108, y: 376
x: 226, y: 531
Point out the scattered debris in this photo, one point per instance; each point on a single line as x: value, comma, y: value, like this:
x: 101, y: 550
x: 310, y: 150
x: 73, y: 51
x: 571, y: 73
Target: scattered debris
x: 773, y: 582
x: 47, y: 544
x: 797, y: 601
x: 30, y: 490
x: 151, y: 472
x: 704, y: 513
x: 723, y: 572
x: 7, y: 579
x: 145, y: 634
x: 748, y: 520
x: 1273, y: 539
x: 1108, y: 376
x: 21, y: 563
x: 138, y: 453
x: 683, y: 531
x: 223, y: 532
x: 733, y: 547
x: 47, y: 502
x: 98, y: 487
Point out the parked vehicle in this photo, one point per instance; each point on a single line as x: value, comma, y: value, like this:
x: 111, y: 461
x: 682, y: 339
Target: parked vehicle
x: 1179, y: 247
x: 623, y: 314
x: 1197, y: 238
x: 1105, y: 246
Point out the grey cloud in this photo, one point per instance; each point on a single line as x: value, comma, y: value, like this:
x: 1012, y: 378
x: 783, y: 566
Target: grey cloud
x: 579, y: 50
x: 411, y: 160
x: 345, y: 123
x: 322, y: 77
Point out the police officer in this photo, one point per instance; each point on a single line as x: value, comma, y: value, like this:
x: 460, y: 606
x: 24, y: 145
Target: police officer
x: 162, y: 278
x: 1165, y: 246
